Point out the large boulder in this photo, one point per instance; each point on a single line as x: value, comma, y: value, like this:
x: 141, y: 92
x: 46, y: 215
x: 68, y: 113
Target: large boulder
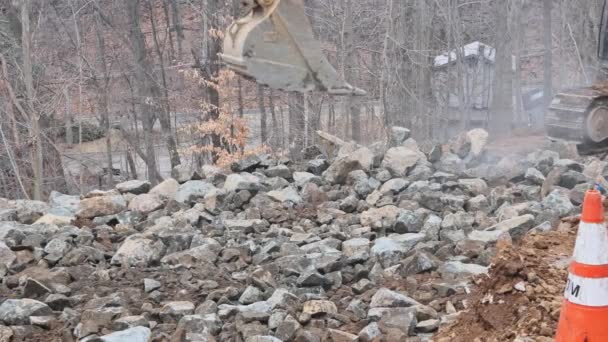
x: 184, y: 173
x: 243, y: 181
x: 146, y: 203
x: 135, y: 334
x: 380, y: 218
x: 338, y: 171
x: 167, y: 189
x: 19, y: 311
x: 193, y: 190
x: 102, y: 206
x: 61, y: 204
x: 400, y: 160
x: 385, y: 298
x: 399, y: 135
x: 287, y: 195
x: 457, y: 270
x: 139, y: 250
x: 135, y: 187
x: 516, y: 227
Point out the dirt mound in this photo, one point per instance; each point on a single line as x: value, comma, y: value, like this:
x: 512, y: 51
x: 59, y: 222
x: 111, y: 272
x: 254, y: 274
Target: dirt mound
x: 522, y: 296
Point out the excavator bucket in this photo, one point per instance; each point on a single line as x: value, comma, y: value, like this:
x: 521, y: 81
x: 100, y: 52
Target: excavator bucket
x: 274, y: 45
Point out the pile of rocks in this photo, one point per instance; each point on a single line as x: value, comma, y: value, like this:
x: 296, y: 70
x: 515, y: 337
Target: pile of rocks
x: 369, y: 246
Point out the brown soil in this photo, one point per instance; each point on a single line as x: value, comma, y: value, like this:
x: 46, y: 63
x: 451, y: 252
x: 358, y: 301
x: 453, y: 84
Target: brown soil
x: 499, y: 312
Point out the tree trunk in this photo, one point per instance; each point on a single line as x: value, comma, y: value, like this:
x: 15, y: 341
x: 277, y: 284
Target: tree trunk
x: 354, y: 103
x: 548, y: 41
x: 502, y: 104
x: 296, y: 124
x: 276, y: 132
x: 102, y: 96
x: 263, y: 123
x: 165, y: 110
x: 145, y: 87
x: 213, y: 66
x: 28, y: 77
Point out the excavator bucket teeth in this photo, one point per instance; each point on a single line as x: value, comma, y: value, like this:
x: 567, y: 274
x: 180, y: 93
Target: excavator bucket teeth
x: 274, y: 45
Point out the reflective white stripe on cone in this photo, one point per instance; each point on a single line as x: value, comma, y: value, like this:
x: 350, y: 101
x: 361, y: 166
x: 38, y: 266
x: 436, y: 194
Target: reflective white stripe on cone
x: 587, y: 291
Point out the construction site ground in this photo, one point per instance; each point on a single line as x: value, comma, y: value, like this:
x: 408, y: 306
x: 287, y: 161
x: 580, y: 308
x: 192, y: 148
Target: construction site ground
x: 521, y: 298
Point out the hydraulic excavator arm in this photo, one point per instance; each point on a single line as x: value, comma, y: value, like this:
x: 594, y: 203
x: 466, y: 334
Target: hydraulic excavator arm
x: 274, y: 45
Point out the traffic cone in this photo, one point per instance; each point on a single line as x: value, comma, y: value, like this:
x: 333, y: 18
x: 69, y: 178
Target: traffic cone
x: 584, y: 316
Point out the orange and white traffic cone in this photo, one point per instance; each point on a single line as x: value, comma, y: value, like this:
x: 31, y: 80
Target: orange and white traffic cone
x: 584, y: 316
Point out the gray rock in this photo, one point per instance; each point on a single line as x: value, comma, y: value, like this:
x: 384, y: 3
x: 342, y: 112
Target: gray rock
x: 314, y: 307
x: 390, y: 250
x: 458, y: 221
x: 151, y: 285
x: 474, y: 186
x: 8, y: 215
x: 57, y: 248
x: 251, y: 295
x: 278, y: 171
x: 478, y: 139
x: 450, y: 163
x: 193, y: 190
x: 243, y: 181
x: 572, y: 178
x: 399, y: 135
x: 247, y: 164
x: 312, y: 278
x: 57, y: 301
x: 400, y: 160
x: 139, y: 250
x: 174, y: 311
x: 431, y: 227
x: 428, y: 326
x: 167, y: 189
x: 263, y: 339
x: 135, y: 187
x: 200, y: 324
x: 380, y: 218
x: 287, y: 329
x: 385, y: 298
x: 453, y: 270
x: 419, y: 262
x: 7, y: 256
x: 558, y: 203
x: 534, y: 176
x: 136, y: 334
x: 303, y: 178
x: 370, y: 333
x: 339, y: 169
x: 478, y: 203
x: 207, y: 252
x: 399, y: 322
x: 577, y: 194
x: 317, y: 166
x: 60, y: 203
x: 184, y: 173
x: 516, y: 227
x: 146, y: 203
x: 288, y: 194
x: 246, y: 226
x: 18, y: 311
x: 394, y: 186
x: 259, y: 311
x: 356, y: 248
x: 282, y: 298
x: 410, y: 221
x: 101, y: 206
x: 34, y: 288
x: 342, y: 336
x: 460, y: 145
x: 29, y: 211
